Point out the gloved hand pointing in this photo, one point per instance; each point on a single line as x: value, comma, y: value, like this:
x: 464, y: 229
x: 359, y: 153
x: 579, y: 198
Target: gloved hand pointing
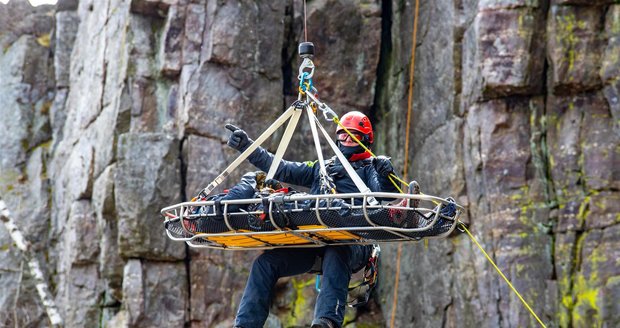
x: 383, y: 166
x: 238, y: 140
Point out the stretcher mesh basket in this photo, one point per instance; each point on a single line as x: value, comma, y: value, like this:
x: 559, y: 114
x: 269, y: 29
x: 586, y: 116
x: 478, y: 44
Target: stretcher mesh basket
x: 301, y: 220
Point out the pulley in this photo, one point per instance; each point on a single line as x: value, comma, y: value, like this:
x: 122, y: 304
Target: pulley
x: 306, y: 50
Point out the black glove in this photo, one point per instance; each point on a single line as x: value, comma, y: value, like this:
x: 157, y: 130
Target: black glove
x: 238, y: 140
x: 336, y: 170
x: 383, y: 166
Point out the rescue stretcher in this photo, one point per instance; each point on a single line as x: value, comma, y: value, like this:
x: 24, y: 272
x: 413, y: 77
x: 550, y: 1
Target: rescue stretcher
x: 303, y: 220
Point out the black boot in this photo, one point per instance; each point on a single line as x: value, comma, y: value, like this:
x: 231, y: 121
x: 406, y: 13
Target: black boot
x: 323, y: 323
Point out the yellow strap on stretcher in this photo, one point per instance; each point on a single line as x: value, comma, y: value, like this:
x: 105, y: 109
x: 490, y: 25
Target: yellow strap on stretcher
x: 283, y: 238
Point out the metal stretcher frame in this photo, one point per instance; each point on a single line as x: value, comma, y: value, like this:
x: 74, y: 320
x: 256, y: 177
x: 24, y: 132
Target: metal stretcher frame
x: 306, y: 236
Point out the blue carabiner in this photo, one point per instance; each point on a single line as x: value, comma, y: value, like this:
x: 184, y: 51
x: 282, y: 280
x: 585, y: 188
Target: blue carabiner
x: 302, y: 85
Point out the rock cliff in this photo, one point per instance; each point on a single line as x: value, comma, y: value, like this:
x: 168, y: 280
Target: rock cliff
x: 113, y: 109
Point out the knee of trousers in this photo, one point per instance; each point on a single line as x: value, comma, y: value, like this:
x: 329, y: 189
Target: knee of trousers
x: 340, y: 256
x: 268, y: 263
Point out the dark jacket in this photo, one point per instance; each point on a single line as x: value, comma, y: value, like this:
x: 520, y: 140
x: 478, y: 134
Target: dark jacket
x: 307, y: 174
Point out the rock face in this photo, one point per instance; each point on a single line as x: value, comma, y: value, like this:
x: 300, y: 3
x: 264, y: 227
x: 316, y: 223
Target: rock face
x: 114, y: 109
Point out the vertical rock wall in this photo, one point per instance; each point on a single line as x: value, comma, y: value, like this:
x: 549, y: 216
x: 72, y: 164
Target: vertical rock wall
x: 515, y: 114
x: 114, y: 109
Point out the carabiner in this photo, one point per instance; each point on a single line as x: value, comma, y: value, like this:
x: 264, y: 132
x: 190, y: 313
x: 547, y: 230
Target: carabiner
x: 328, y: 113
x: 307, y: 64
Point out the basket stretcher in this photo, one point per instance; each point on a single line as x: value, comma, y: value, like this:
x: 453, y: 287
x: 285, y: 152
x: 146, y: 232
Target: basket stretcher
x: 303, y: 220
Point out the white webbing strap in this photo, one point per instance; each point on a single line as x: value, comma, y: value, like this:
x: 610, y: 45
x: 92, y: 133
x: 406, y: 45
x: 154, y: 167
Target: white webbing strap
x: 315, y: 136
x: 286, y: 138
x: 359, y: 183
x: 259, y: 141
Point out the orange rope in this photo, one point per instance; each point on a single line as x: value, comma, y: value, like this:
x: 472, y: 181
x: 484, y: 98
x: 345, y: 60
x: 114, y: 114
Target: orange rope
x: 410, y: 96
x: 408, y: 130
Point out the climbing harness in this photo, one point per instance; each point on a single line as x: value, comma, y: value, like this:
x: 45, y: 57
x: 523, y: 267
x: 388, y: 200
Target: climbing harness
x: 371, y: 275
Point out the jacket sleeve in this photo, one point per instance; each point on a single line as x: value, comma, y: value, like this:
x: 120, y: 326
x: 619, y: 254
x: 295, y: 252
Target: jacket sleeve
x: 244, y: 189
x: 297, y: 173
x: 378, y: 183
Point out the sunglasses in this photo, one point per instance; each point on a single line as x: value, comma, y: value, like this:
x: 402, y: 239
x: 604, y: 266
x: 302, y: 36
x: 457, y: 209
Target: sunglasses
x: 344, y: 136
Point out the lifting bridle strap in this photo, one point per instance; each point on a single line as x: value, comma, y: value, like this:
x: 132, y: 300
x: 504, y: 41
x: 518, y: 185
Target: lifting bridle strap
x: 315, y: 138
x: 286, y: 138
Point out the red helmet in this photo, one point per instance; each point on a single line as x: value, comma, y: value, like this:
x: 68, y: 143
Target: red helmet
x: 357, y: 121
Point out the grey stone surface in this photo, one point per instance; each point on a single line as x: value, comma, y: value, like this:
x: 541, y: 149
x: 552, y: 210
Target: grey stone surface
x: 435, y: 53
x: 64, y: 5
x: 234, y: 37
x: 215, y: 277
x: 110, y: 263
x: 610, y: 68
x: 355, y: 53
x: 116, y: 55
x: 74, y: 179
x: 504, y: 51
x: 596, y: 276
x: 79, y: 285
x: 443, y: 173
x: 170, y: 54
x: 147, y: 179
x: 496, y: 154
x: 142, y: 53
x: 87, y: 71
x: 23, y: 83
x: 601, y: 154
x: 213, y: 98
x: 67, y: 23
x: 582, y: 2
x: 205, y: 158
x: 603, y: 209
x: 581, y: 153
x: 612, y: 95
x: 508, y: 4
x: 19, y: 18
x: 194, y: 29
x: 156, y: 293
x: 27, y: 199
x: 575, y: 47
x: 133, y: 290
x: 81, y: 239
x: 58, y: 115
x: 511, y: 51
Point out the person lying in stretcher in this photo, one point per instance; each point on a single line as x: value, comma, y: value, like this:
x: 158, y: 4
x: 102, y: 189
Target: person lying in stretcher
x: 254, y: 185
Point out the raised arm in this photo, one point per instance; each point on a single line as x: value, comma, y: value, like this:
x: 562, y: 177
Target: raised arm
x: 297, y: 173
